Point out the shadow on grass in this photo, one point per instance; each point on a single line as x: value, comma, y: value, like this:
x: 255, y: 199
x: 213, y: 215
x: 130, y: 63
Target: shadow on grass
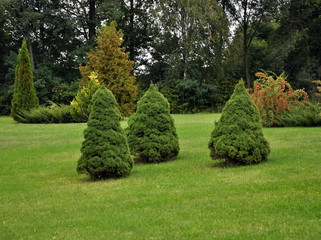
x: 223, y: 163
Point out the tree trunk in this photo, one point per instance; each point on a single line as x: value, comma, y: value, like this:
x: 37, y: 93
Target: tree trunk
x: 92, y: 19
x: 184, y: 40
x: 246, y: 63
x: 131, y: 37
x: 246, y: 45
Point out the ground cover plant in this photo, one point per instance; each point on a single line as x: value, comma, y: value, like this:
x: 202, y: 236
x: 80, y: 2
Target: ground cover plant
x: 55, y: 113
x: 151, y: 130
x: 42, y: 197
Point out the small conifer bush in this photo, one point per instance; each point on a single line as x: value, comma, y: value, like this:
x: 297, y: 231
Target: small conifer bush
x: 105, y: 152
x: 238, y: 136
x: 151, y: 132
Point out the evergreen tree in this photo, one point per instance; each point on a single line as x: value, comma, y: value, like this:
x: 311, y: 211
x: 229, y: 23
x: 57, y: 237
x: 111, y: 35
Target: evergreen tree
x: 151, y: 132
x: 24, y: 96
x: 80, y: 107
x: 105, y: 151
x: 113, y: 68
x: 238, y: 135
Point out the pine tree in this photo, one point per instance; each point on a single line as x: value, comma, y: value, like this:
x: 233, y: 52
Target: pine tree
x: 113, y: 68
x: 151, y: 132
x: 24, y: 96
x: 238, y: 135
x: 105, y: 152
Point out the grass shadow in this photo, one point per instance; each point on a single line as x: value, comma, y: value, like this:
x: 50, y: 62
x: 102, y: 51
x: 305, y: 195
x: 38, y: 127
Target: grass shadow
x: 222, y: 163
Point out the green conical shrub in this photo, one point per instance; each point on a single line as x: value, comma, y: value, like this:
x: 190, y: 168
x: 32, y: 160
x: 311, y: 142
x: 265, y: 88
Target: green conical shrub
x: 24, y: 96
x: 151, y: 132
x: 238, y: 136
x: 105, y: 152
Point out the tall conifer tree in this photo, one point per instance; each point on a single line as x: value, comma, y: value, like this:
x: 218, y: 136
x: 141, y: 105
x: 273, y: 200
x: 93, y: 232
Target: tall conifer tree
x: 24, y: 96
x: 110, y: 61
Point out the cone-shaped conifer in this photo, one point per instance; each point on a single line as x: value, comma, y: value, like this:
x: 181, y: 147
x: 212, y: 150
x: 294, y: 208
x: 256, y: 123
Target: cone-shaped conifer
x: 238, y: 136
x: 151, y: 131
x: 105, y: 152
x: 110, y: 61
x: 24, y: 96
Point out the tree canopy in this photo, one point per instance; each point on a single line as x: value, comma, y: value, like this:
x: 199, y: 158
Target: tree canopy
x: 194, y: 50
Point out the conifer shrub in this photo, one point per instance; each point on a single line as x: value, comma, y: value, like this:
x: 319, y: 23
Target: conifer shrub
x: 24, y: 95
x: 151, y: 131
x: 80, y: 106
x: 55, y: 113
x: 238, y: 136
x: 300, y: 115
x: 105, y: 152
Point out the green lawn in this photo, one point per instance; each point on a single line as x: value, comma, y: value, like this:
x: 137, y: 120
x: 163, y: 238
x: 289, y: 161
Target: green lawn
x: 42, y: 197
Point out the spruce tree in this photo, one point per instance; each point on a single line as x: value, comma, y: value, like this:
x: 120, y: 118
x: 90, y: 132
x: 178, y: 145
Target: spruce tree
x: 151, y: 132
x: 105, y: 152
x: 238, y: 135
x: 24, y: 96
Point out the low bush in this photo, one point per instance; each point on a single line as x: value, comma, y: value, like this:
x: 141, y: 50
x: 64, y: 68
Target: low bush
x: 105, y: 151
x: 151, y: 131
x: 55, y: 113
x: 238, y: 137
x: 300, y: 115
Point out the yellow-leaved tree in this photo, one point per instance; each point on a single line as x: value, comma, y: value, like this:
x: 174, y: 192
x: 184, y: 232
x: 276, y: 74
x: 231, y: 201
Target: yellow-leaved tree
x: 110, y: 63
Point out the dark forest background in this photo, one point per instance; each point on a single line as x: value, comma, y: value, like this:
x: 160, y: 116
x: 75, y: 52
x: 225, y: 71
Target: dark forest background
x: 195, y: 50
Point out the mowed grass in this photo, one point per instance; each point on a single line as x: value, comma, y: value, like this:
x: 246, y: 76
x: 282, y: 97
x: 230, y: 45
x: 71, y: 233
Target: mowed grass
x: 42, y: 196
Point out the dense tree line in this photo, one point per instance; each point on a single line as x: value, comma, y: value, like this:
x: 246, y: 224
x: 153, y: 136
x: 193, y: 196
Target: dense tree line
x: 194, y: 50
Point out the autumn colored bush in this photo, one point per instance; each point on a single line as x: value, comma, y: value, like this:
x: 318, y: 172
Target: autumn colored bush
x: 273, y: 95
x: 238, y: 137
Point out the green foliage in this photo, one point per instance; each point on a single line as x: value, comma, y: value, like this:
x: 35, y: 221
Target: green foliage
x: 110, y: 61
x: 301, y: 115
x: 238, y: 136
x: 24, y: 96
x: 151, y: 132
x: 105, y: 151
x: 55, y: 113
x: 81, y: 105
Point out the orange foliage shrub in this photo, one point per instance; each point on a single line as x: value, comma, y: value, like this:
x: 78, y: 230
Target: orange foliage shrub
x: 273, y: 95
